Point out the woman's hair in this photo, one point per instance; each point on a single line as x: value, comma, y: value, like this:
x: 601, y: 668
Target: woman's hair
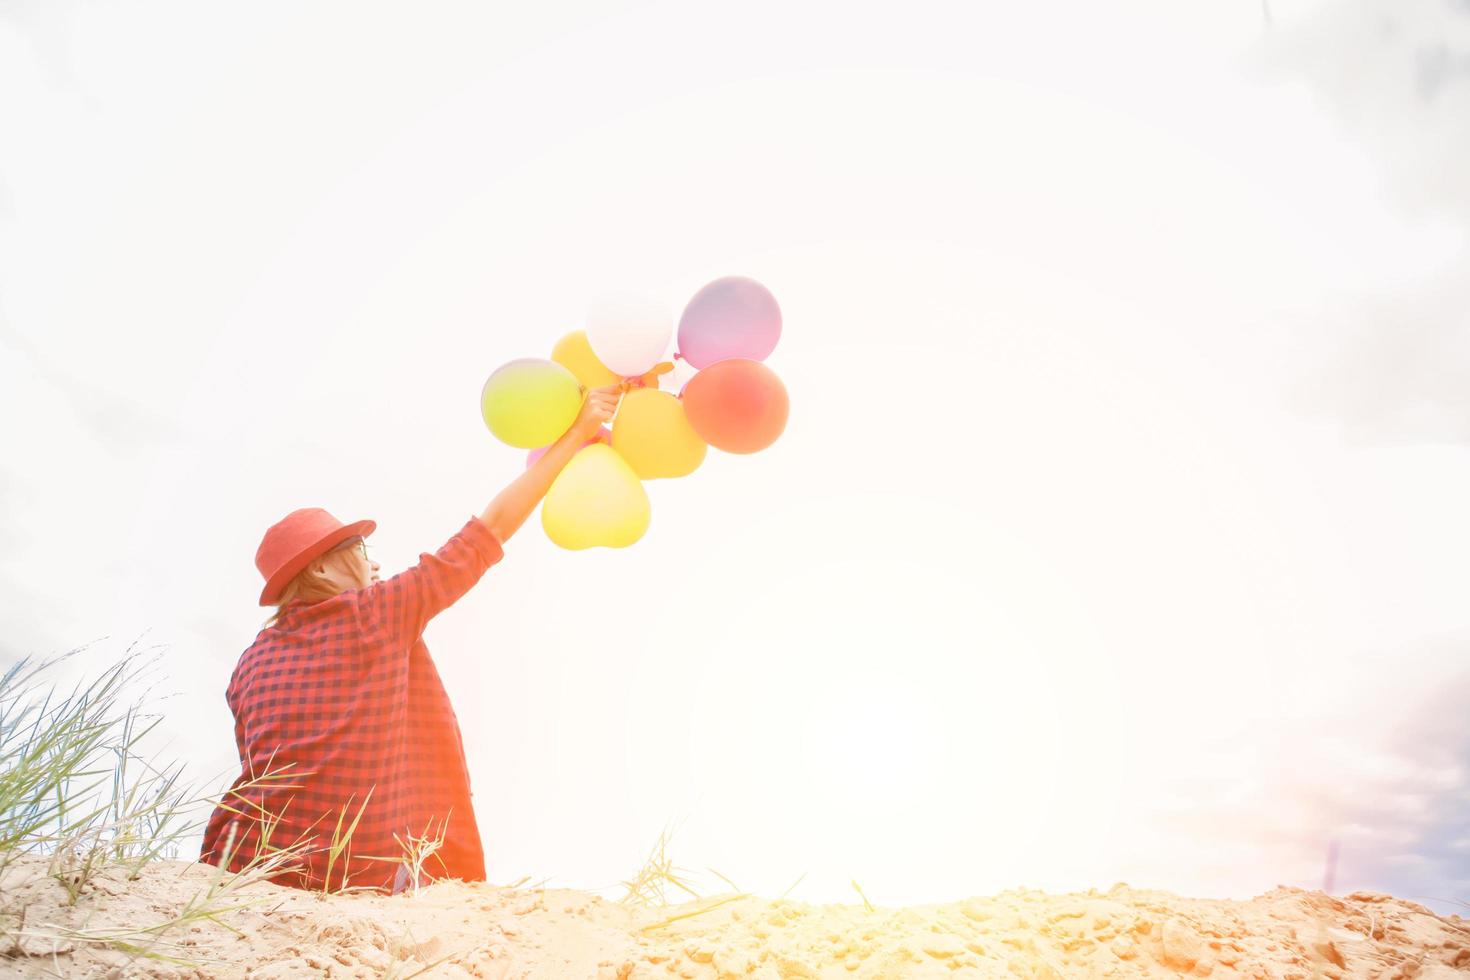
x: 308, y: 586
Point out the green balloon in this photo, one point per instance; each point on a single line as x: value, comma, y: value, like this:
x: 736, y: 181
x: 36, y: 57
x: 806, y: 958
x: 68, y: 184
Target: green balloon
x: 530, y: 403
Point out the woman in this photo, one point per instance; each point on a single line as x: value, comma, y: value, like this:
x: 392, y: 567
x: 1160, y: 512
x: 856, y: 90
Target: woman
x: 349, y: 747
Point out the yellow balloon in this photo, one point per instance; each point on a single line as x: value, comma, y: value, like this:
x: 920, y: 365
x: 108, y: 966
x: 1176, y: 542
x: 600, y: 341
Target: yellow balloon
x: 529, y: 403
x: 652, y: 434
x: 574, y: 353
x: 595, y: 501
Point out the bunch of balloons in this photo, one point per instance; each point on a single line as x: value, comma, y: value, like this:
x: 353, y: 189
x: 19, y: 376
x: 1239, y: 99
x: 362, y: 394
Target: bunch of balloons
x: 666, y: 420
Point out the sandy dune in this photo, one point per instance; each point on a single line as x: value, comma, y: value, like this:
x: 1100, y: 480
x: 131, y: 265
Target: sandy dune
x: 457, y: 930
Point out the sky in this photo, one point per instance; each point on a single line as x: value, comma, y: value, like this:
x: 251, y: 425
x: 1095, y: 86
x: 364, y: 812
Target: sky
x: 1117, y: 533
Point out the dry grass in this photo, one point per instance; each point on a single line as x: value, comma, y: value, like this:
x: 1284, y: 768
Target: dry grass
x: 407, y: 969
x: 415, y: 853
x: 75, y: 789
x: 670, y: 920
x: 69, y: 780
x: 660, y: 883
x: 658, y: 878
x: 867, y: 905
x: 341, y: 845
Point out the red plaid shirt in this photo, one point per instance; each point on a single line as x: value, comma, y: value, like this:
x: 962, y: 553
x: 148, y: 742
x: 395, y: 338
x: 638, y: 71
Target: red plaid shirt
x: 341, y: 697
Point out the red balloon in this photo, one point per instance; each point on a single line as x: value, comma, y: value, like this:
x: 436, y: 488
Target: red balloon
x: 737, y: 405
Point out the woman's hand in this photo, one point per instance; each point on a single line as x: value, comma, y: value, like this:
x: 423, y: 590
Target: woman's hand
x: 597, y: 409
x: 510, y: 508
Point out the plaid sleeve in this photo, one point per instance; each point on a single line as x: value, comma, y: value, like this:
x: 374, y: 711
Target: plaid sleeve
x: 405, y: 603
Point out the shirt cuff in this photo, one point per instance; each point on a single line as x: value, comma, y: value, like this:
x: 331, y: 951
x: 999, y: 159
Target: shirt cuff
x: 482, y: 540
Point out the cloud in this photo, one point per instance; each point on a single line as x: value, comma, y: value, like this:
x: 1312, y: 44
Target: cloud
x: 1432, y: 788
x: 1396, y: 76
x: 1394, y: 367
x: 1384, y: 774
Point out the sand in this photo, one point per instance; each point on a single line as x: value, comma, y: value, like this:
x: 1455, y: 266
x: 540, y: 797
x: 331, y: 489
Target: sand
x: 457, y: 930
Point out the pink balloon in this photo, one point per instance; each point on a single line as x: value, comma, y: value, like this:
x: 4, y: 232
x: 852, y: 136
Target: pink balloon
x: 730, y: 317
x: 604, y: 434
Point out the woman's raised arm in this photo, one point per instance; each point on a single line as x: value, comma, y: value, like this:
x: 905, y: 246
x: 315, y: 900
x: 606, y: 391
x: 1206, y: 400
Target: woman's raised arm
x: 510, y: 508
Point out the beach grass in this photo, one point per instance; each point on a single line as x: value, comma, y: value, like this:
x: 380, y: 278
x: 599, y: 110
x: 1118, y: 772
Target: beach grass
x: 76, y: 790
x: 659, y: 880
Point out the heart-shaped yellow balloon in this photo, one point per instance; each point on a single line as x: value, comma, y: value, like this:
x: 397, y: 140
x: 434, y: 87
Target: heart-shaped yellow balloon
x: 574, y: 353
x: 596, y: 501
x: 652, y: 434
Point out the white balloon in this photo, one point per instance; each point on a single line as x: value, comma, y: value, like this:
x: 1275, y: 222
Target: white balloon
x: 629, y: 334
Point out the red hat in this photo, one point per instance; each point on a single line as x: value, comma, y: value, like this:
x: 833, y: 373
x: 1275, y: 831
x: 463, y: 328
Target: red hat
x: 296, y: 541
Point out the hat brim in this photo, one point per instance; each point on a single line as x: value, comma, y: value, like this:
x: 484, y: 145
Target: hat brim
x: 271, y: 594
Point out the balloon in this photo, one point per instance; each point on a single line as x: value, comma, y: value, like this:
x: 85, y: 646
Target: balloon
x: 736, y: 405
x: 596, y: 501
x: 530, y: 402
x: 652, y: 434
x: 604, y: 436
x: 574, y: 353
x: 628, y: 334
x: 730, y: 317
